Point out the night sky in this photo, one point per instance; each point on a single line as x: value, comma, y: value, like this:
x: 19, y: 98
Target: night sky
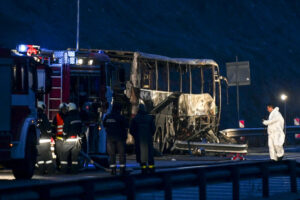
x: 264, y: 32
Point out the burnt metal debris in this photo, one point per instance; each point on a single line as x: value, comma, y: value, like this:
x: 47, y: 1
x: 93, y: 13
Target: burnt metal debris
x: 184, y: 95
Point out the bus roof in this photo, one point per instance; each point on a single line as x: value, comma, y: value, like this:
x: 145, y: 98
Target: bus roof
x: 183, y: 61
x: 128, y: 56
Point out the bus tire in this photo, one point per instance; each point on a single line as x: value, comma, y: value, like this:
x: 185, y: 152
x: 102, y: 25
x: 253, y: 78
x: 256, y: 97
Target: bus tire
x: 158, y: 141
x: 24, y: 168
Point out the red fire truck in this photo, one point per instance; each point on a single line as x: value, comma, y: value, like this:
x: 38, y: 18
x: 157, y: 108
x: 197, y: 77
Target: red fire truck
x: 81, y: 77
x: 85, y: 78
x: 18, y: 133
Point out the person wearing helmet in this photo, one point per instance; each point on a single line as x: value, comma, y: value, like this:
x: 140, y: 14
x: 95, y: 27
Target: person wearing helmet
x: 44, y: 159
x: 71, y: 147
x: 57, y: 129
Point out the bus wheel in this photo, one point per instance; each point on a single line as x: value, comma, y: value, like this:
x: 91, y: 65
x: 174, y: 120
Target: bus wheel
x: 24, y: 169
x: 158, y: 141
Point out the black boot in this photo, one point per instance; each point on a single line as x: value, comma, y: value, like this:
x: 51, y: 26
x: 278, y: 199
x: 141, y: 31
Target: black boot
x: 144, y: 168
x: 151, y: 169
x: 113, y: 171
x: 144, y: 171
x: 123, y: 171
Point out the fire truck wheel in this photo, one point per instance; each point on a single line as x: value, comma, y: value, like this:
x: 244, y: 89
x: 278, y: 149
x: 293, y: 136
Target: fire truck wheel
x: 24, y: 169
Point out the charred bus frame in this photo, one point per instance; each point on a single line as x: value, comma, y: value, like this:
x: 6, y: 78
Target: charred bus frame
x: 182, y: 112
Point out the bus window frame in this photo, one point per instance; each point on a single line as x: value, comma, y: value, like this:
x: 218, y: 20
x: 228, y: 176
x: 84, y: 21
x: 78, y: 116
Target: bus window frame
x: 176, y: 70
x: 146, y: 67
x: 184, y: 70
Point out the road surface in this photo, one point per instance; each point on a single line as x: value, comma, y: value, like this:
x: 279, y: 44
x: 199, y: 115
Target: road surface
x: 249, y: 188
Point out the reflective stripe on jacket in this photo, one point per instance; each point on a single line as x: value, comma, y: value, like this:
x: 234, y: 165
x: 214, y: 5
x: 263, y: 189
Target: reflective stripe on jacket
x: 60, y: 124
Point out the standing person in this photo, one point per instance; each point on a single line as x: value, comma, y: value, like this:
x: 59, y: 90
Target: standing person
x: 143, y: 128
x: 115, y: 126
x: 44, y: 159
x: 58, y: 125
x: 71, y: 145
x: 276, y: 135
x: 93, y: 126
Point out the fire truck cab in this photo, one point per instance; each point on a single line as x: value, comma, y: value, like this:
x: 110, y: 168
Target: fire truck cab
x: 18, y: 133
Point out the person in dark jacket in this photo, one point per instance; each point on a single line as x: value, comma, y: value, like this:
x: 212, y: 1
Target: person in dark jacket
x: 71, y: 147
x: 44, y: 159
x: 57, y: 130
x: 116, y: 129
x: 143, y: 128
x: 91, y: 117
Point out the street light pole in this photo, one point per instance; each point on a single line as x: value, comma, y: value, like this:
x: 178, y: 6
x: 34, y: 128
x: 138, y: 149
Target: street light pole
x: 237, y: 91
x: 285, y: 120
x: 284, y: 98
x: 78, y: 24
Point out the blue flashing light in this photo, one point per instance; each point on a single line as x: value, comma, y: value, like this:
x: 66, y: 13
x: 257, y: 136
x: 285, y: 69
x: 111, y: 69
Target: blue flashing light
x: 101, y: 51
x: 91, y: 166
x: 22, y: 48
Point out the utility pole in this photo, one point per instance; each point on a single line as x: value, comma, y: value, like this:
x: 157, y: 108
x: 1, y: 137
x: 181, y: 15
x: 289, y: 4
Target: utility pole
x: 237, y: 89
x: 77, y: 36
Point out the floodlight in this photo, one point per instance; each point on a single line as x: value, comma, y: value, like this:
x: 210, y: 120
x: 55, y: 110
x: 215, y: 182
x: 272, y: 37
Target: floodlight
x: 283, y: 97
x: 80, y: 61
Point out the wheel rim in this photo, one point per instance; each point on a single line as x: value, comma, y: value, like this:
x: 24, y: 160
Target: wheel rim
x: 159, y: 141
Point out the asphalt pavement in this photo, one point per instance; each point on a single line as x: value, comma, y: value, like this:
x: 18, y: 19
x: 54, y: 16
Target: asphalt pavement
x: 162, y: 163
x: 249, y: 188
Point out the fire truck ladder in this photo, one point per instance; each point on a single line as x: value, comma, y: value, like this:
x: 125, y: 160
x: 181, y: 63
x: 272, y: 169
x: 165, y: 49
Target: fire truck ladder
x: 55, y: 96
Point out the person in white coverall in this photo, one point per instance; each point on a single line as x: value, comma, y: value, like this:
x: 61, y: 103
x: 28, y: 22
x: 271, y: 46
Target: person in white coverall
x: 276, y: 135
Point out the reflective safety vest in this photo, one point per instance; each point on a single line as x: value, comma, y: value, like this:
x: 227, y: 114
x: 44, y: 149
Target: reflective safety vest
x: 60, y: 125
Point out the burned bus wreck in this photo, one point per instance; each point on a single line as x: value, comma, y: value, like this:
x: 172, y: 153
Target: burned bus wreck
x: 184, y: 95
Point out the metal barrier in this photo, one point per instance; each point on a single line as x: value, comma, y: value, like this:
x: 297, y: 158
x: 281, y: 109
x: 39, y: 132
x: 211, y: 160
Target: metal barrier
x: 90, y: 188
x: 256, y: 137
x: 239, y: 132
x: 210, y: 147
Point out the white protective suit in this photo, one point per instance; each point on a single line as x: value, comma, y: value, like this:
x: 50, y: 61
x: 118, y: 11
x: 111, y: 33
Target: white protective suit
x: 276, y: 135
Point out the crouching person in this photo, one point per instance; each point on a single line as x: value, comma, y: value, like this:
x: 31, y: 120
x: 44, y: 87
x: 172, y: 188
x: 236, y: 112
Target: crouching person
x: 71, y: 144
x: 116, y: 128
x: 44, y: 160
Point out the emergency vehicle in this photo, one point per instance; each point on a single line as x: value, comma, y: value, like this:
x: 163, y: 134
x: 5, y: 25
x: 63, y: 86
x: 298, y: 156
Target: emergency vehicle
x: 18, y: 108
x: 81, y: 77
